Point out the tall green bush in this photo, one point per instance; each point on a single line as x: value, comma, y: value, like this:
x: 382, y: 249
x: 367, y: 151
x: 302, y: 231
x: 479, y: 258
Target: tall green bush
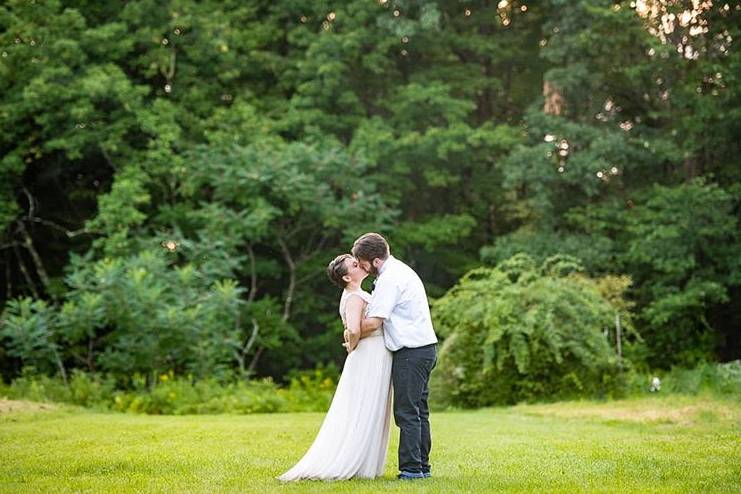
x: 136, y: 314
x: 522, y: 331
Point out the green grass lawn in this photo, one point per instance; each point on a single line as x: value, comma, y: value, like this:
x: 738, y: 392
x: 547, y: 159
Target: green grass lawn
x: 662, y: 444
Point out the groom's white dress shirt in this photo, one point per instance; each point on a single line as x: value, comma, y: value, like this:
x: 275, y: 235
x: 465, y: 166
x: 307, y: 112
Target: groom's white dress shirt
x: 399, y: 298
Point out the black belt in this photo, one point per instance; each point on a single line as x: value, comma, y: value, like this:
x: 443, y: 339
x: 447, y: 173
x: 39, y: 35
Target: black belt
x: 416, y: 347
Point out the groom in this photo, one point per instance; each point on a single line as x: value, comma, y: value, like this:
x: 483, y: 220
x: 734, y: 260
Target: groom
x: 400, y: 304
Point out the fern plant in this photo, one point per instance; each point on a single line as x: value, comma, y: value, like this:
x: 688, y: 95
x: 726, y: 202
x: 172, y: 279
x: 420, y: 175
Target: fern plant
x: 520, y: 331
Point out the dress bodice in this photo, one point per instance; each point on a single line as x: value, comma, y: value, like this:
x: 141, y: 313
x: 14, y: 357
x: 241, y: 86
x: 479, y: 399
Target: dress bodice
x: 346, y: 294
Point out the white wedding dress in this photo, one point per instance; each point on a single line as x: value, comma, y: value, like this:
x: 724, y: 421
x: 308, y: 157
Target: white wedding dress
x: 353, y: 439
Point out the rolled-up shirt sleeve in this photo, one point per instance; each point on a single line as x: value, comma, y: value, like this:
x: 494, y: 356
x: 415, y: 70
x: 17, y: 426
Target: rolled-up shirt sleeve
x: 384, y: 299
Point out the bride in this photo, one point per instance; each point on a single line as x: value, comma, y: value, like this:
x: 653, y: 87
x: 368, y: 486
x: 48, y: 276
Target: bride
x: 353, y: 439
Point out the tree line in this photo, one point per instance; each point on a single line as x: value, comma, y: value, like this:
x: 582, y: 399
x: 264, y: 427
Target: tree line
x: 175, y: 176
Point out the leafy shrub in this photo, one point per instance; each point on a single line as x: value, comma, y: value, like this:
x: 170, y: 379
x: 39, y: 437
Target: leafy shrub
x: 88, y: 390
x: 37, y: 388
x: 707, y: 377
x: 142, y: 313
x: 180, y: 396
x: 27, y: 327
x: 311, y: 390
x: 308, y: 391
x: 525, y: 332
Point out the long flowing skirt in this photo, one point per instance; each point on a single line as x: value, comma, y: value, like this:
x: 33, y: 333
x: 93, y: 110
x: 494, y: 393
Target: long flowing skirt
x: 353, y: 439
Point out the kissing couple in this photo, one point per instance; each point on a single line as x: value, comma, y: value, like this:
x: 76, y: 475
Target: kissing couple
x: 390, y: 340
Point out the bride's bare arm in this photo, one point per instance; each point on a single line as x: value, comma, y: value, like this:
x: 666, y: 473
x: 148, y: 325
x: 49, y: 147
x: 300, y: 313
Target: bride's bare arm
x: 367, y: 326
x: 354, y: 317
x: 370, y: 324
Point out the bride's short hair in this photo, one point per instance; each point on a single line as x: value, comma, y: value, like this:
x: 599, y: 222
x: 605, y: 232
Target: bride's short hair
x: 337, y: 269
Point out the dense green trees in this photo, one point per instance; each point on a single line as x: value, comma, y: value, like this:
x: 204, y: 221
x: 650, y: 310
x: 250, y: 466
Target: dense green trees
x: 242, y: 145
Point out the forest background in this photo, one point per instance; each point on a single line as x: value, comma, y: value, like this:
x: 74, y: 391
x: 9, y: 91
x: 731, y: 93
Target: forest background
x: 565, y: 177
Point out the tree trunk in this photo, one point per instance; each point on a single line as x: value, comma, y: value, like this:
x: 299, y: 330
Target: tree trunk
x: 89, y: 359
x: 618, y: 340
x: 36, y: 258
x: 8, y: 282
x: 553, y: 100
x: 241, y: 355
x: 26, y: 274
x: 689, y: 166
x: 253, y: 275
x: 291, y: 279
x: 253, y: 364
x: 60, y: 365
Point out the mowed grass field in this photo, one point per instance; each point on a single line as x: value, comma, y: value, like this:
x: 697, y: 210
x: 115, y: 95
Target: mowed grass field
x: 657, y: 444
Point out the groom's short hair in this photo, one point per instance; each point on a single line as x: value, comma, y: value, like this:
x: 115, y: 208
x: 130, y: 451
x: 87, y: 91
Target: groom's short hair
x: 371, y: 246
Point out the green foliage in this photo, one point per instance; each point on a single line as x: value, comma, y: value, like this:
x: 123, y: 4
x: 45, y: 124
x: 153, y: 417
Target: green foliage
x: 683, y: 252
x: 136, y: 314
x: 258, y: 138
x: 677, y: 243
x: 311, y: 390
x: 712, y: 378
x: 28, y: 326
x: 520, y: 331
x: 83, y: 389
x: 179, y: 396
x: 119, y: 213
x: 596, y: 252
x: 308, y: 391
x: 678, y: 246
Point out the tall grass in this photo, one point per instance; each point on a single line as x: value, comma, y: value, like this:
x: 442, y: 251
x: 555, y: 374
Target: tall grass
x: 307, y: 391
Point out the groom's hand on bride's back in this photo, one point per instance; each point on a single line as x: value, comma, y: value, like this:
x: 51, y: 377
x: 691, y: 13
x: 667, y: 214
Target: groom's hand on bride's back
x: 346, y: 340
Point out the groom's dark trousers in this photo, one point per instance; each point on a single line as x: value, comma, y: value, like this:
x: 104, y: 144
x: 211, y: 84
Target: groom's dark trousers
x: 410, y: 374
